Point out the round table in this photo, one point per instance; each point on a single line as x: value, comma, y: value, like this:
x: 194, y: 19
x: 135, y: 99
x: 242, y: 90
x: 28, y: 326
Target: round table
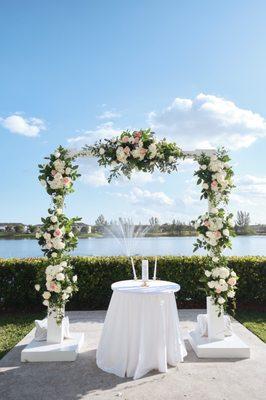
x: 141, y: 329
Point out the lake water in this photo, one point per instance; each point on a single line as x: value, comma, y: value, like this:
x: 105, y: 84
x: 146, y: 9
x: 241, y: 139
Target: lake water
x: 242, y: 245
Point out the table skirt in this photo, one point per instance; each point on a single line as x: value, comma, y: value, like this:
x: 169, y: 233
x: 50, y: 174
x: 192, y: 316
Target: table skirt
x: 141, y: 333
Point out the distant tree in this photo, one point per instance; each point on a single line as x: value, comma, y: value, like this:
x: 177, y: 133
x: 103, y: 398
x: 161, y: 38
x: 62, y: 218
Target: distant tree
x: 32, y: 228
x: 84, y: 229
x: 242, y: 223
x: 242, y: 219
x: 19, y: 228
x: 100, y: 221
x: 9, y: 228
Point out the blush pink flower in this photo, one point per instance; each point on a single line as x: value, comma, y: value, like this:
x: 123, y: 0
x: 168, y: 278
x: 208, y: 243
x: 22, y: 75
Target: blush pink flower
x: 53, y: 172
x: 67, y: 181
x: 217, y: 234
x: 231, y: 281
x: 214, y: 184
x: 125, y: 139
x: 53, y: 287
x: 206, y: 223
x: 218, y: 290
x: 142, y: 151
x: 58, y: 232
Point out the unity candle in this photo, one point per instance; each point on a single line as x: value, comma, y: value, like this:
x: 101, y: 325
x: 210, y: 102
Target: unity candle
x: 145, y: 270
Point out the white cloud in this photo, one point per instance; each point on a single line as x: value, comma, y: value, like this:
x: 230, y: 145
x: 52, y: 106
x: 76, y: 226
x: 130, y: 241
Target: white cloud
x: 102, y: 131
x: 109, y: 115
x: 95, y: 178
x: 140, y: 196
x: 30, y: 127
x: 208, y: 121
x: 253, y: 185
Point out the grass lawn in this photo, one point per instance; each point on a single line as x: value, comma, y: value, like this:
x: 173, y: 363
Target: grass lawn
x: 255, y: 321
x: 13, y: 327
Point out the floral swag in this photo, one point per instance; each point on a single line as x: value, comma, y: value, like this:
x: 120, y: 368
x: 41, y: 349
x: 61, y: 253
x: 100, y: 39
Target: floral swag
x: 138, y: 150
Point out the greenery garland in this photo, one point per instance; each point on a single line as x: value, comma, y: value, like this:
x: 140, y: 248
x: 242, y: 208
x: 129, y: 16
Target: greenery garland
x: 56, y: 236
x: 216, y: 226
x: 137, y: 150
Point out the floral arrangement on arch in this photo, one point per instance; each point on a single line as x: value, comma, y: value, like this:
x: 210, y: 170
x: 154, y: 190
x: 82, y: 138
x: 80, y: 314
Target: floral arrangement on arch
x: 135, y: 150
x: 56, y: 236
x: 216, y: 226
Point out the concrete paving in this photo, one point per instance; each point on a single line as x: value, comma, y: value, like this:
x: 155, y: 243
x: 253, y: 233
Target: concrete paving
x: 194, y: 379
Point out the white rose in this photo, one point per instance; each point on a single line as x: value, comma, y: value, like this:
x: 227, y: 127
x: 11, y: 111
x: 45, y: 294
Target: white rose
x: 207, y: 273
x: 65, y: 296
x: 231, y: 294
x: 37, y: 287
x: 203, y: 166
x: 57, y: 154
x: 59, y: 211
x: 69, y: 289
x: 211, y: 284
x: 43, y: 182
x: 68, y: 171
x: 63, y: 264
x: 214, y: 210
x: 101, y: 151
x: 205, y: 186
x: 221, y: 300
x: 54, y: 255
x: 171, y: 159
x: 60, y: 276
x: 45, y: 303
x: 233, y: 273
x: 47, y: 236
x: 215, y: 259
x: 53, y: 218
x: 46, y: 295
x: 75, y: 278
x: 38, y: 235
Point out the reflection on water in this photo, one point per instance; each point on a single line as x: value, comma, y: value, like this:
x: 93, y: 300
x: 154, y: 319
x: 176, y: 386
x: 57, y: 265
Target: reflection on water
x: 242, y: 245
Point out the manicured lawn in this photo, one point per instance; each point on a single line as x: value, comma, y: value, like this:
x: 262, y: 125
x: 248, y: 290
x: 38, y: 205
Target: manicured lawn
x: 13, y: 327
x: 255, y: 321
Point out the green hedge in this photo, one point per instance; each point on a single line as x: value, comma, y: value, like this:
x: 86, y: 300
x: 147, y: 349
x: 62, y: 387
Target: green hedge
x: 96, y: 274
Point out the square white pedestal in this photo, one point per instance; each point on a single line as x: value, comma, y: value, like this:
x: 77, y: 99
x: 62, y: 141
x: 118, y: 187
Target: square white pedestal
x: 229, y: 347
x: 48, y: 352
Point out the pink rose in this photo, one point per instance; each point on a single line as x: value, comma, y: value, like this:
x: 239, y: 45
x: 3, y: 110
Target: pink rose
x: 127, y: 150
x: 67, y: 181
x: 142, y: 151
x: 53, y: 286
x: 125, y: 139
x: 206, y: 223
x: 58, y: 232
x: 217, y: 234
x: 218, y: 290
x: 137, y: 135
x: 136, y: 140
x: 53, y: 172
x: 231, y: 281
x: 214, y: 184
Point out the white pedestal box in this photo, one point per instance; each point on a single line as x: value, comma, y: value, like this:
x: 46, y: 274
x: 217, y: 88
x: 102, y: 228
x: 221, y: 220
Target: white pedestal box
x: 215, y: 323
x: 57, y: 347
x: 216, y: 344
x: 55, y: 331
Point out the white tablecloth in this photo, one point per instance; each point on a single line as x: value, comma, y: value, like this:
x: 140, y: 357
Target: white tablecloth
x: 141, y: 330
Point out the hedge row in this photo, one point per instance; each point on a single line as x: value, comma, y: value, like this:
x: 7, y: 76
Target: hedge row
x: 96, y: 274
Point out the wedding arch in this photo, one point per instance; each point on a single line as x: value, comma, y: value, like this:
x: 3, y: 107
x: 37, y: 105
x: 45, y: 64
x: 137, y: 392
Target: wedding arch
x: 141, y: 151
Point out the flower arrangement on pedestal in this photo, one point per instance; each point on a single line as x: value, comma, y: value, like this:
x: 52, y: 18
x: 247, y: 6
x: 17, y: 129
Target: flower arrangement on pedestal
x: 56, y: 236
x: 216, y: 226
x: 135, y: 150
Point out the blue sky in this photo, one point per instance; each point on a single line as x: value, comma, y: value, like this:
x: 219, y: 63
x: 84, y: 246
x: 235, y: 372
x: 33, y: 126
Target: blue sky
x: 74, y: 71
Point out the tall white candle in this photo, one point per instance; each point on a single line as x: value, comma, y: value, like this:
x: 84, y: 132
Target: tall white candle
x: 133, y: 268
x: 155, y: 269
x: 145, y: 270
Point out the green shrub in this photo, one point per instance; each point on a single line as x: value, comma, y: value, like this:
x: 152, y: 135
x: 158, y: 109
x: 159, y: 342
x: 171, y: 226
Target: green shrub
x: 96, y: 274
